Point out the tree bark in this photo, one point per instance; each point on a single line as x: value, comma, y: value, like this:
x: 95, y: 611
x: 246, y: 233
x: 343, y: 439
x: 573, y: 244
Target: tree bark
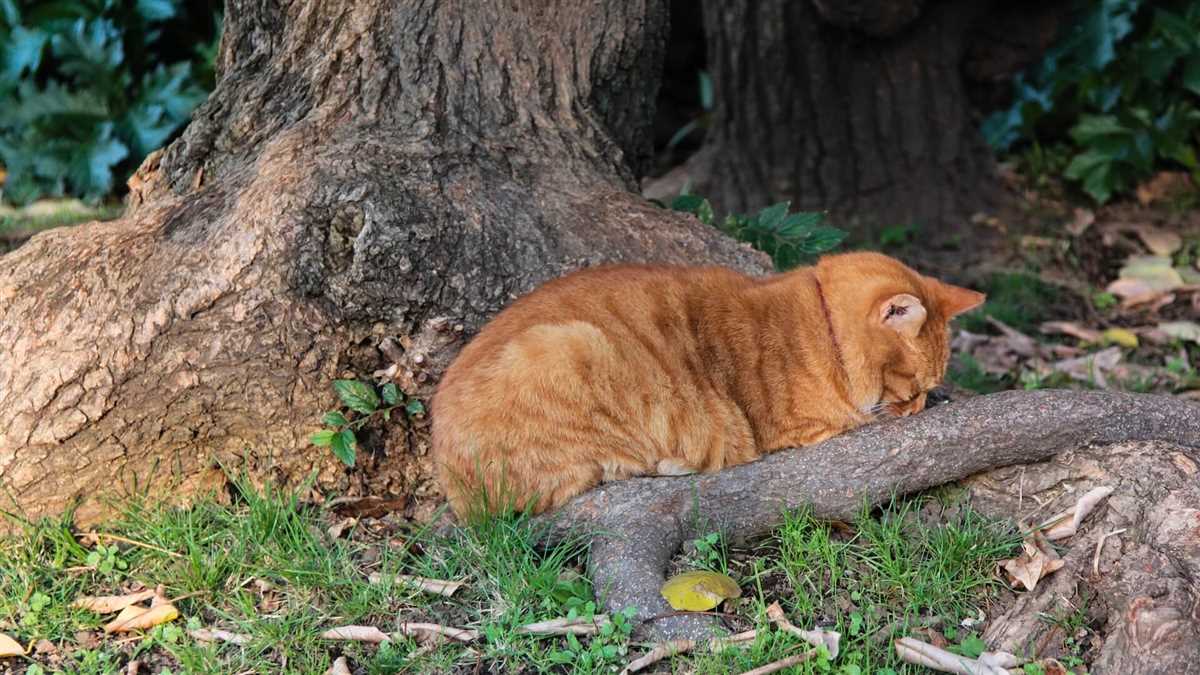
x: 366, y: 175
x: 643, y: 522
x: 858, y: 108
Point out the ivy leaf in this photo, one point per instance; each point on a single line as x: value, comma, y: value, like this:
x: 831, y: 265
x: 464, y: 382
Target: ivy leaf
x: 156, y: 10
x: 323, y: 438
x: 21, y: 52
x: 390, y: 393
x: 770, y: 217
x: 344, y: 446
x: 357, y: 396
x: 90, y: 167
x: 414, y: 408
x: 334, y: 418
x: 972, y: 646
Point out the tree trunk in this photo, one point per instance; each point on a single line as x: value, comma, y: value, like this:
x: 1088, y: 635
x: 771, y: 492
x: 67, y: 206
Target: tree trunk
x: 368, y: 175
x: 858, y: 108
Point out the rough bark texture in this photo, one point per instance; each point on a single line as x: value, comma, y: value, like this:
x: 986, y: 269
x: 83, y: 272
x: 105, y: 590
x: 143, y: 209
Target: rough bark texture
x: 858, y: 108
x: 644, y: 521
x: 366, y: 174
x: 1144, y: 595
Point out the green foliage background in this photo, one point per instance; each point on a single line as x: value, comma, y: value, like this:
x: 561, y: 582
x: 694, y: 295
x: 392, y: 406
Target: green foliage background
x: 1120, y: 91
x: 89, y: 87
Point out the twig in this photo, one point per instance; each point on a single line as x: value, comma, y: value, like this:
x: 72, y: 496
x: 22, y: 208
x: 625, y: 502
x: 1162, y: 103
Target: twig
x: 1099, y: 547
x: 818, y: 638
x: 776, y: 666
x: 433, y: 586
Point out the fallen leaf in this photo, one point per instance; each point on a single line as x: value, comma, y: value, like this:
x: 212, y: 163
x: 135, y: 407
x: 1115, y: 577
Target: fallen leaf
x: 148, y: 618
x: 434, y: 586
x: 426, y: 631
x: 10, y: 647
x: 1073, y: 329
x: 1159, y: 241
x: 1037, y: 559
x: 1067, y: 523
x: 817, y: 638
x: 1017, y: 341
x: 1148, y: 271
x: 1082, y: 219
x: 1163, y: 184
x: 575, y: 626
x: 670, y: 648
x: 356, y: 634
x: 699, y: 591
x: 44, y: 647
x: 923, y: 654
x: 1121, y: 336
x: 1181, y: 330
x: 339, y: 667
x: 1091, y: 367
x: 107, y: 604
x: 217, y: 635
x: 781, y: 664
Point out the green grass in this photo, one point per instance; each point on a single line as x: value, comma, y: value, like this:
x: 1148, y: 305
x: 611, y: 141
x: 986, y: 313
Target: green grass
x: 54, y: 213
x: 1015, y: 298
x: 266, y: 566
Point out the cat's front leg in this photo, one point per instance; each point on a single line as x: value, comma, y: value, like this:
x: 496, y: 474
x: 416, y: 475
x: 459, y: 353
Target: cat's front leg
x: 673, y: 467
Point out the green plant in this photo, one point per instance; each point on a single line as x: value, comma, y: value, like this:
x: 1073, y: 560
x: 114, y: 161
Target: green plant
x: 1103, y: 300
x: 1122, y: 86
x: 966, y: 372
x: 362, y: 404
x: 607, y: 648
x: 1018, y: 299
x: 790, y: 239
x: 88, y: 88
x: 701, y: 121
x: 711, y: 553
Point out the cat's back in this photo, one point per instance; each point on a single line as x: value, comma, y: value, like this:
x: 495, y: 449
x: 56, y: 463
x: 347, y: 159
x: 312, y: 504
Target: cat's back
x: 613, y: 300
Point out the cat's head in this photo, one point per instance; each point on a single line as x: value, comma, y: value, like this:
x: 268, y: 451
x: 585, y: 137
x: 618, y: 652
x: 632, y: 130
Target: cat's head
x: 897, y: 322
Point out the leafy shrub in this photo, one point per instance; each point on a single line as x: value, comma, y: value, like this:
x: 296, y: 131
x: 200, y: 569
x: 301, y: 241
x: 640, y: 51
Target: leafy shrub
x: 361, y: 403
x: 789, y: 238
x: 88, y: 88
x: 1122, y: 86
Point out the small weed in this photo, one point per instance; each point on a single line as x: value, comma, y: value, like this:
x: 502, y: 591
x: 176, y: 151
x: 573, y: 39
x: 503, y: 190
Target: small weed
x: 790, y: 239
x: 362, y: 402
x: 710, y: 553
x: 966, y: 372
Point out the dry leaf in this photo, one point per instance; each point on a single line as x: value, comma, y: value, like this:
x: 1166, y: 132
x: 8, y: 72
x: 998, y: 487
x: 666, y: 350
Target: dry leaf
x: 427, y: 631
x: 563, y: 626
x: 1091, y: 368
x: 923, y: 654
x: 1145, y: 273
x: 1073, y: 329
x: 817, y: 638
x: 339, y: 667
x: 147, y: 618
x: 217, y: 635
x: 699, y: 591
x: 1181, y: 330
x: 1163, y: 184
x: 434, y: 586
x: 1017, y: 341
x: 356, y: 634
x: 1067, y: 523
x: 10, y: 647
x: 107, y: 604
x: 1121, y: 336
x: 1036, y: 561
x: 1082, y: 219
x: 1160, y: 242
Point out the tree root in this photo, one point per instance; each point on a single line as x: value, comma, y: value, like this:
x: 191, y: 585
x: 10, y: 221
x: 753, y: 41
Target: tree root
x: 640, y: 523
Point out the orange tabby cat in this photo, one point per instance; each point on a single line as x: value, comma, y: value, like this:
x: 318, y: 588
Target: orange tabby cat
x: 628, y: 371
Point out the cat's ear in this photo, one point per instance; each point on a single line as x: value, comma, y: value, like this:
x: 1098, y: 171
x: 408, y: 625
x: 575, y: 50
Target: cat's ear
x: 902, y: 313
x: 954, y: 300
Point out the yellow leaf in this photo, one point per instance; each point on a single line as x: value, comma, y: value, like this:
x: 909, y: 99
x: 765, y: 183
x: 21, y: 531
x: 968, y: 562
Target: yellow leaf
x: 107, y: 604
x: 699, y: 591
x: 10, y: 647
x: 143, y: 619
x: 1121, y: 336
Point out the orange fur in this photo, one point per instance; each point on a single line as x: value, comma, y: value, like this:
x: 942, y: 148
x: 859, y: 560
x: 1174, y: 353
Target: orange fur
x: 628, y: 371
